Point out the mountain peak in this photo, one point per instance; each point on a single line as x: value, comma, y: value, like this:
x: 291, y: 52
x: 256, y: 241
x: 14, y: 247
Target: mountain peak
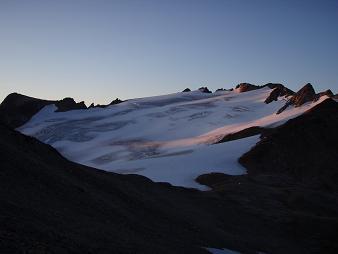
x: 204, y: 89
x: 305, y: 94
x: 245, y: 87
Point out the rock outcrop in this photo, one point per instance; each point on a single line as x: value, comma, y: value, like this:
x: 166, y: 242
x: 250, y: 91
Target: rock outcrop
x: 304, y: 148
x: 17, y: 109
x: 304, y: 95
x: 67, y: 104
x: 204, y: 89
x: 278, y: 91
x: 114, y: 102
x: 248, y: 132
x: 245, y: 87
x: 186, y: 90
x: 327, y: 93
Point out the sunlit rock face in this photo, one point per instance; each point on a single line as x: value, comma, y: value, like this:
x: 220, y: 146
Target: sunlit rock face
x: 304, y: 95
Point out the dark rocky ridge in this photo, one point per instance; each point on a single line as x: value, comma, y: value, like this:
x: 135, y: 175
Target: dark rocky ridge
x: 204, y: 89
x: 248, y: 132
x: 17, y: 109
x: 114, y: 102
x: 278, y: 91
x: 305, y: 148
x: 328, y: 93
x: 245, y: 87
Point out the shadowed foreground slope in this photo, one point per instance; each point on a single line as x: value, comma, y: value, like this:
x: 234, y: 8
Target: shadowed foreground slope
x: 51, y: 205
x: 305, y: 148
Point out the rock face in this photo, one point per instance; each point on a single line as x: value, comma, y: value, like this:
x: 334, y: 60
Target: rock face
x: 204, y: 89
x: 67, y: 104
x: 248, y: 132
x: 221, y: 90
x: 328, y: 93
x: 245, y: 87
x: 278, y: 91
x: 17, y: 109
x: 114, y: 102
x: 305, y: 94
x: 305, y: 148
x: 186, y: 90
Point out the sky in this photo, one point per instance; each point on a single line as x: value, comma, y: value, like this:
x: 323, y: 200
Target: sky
x: 99, y: 50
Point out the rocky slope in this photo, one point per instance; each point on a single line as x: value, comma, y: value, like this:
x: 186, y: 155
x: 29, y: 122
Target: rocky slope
x: 51, y: 205
x: 305, y: 148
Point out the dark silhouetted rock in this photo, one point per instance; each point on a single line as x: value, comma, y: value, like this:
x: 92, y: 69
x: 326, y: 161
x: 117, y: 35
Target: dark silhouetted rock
x: 328, y: 93
x: 304, y: 148
x: 116, y: 101
x: 248, y: 132
x: 67, y: 104
x: 204, y: 89
x: 223, y: 90
x: 305, y: 94
x: 325, y: 93
x: 278, y: 91
x: 186, y: 90
x: 17, y: 109
x: 245, y: 87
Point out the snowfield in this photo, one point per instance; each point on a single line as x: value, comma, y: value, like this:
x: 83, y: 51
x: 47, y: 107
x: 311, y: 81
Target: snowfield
x: 167, y: 138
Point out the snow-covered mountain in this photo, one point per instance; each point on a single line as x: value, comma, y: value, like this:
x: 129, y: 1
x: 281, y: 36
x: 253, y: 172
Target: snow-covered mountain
x: 169, y: 138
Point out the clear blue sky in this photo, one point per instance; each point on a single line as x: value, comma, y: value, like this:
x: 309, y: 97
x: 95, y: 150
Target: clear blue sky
x: 97, y: 50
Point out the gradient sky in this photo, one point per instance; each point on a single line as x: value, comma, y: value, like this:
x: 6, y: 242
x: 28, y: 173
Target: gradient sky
x: 98, y: 50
